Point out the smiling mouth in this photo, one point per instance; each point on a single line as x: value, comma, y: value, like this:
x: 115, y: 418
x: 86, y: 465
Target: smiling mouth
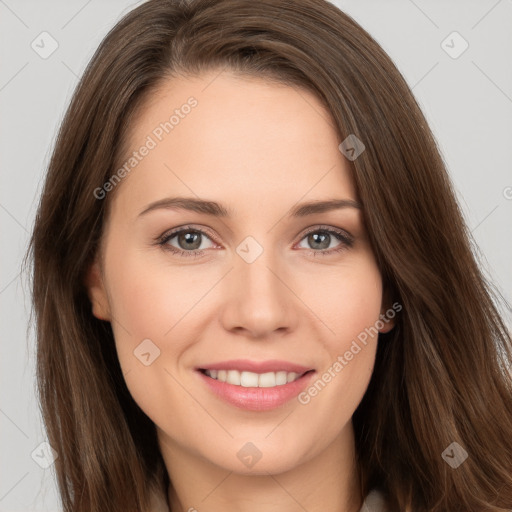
x: 254, y: 380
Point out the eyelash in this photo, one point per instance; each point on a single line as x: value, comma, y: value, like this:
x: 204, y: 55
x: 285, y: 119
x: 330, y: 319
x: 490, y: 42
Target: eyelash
x: 346, y: 240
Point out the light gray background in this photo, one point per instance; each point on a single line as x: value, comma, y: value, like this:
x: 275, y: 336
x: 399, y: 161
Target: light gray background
x: 468, y: 102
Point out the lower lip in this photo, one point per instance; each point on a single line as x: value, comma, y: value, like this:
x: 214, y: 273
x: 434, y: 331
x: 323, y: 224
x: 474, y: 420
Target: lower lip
x: 257, y: 399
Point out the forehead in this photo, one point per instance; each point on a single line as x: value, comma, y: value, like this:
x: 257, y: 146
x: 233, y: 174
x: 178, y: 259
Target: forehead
x: 246, y: 140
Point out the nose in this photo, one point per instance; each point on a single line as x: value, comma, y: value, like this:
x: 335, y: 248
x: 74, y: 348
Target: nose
x: 259, y: 298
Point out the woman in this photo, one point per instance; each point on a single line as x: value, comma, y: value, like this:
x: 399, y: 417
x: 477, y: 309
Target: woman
x: 253, y: 285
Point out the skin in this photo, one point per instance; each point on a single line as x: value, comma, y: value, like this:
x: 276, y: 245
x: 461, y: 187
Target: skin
x: 258, y: 148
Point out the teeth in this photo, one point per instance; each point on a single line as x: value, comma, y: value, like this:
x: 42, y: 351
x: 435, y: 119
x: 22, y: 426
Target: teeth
x: 248, y: 380
x: 267, y: 380
x: 233, y: 377
x: 253, y: 380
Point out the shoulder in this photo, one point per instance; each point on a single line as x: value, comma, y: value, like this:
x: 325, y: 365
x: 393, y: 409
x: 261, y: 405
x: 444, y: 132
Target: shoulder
x: 158, y: 501
x: 374, y: 502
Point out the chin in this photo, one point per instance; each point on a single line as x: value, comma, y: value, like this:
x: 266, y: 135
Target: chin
x: 264, y: 462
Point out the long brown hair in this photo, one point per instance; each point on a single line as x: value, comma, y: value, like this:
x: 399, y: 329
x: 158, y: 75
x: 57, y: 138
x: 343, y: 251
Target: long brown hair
x: 442, y: 375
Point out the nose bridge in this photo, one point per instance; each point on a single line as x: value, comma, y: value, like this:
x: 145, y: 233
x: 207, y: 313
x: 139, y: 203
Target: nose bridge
x: 257, y: 266
x: 258, y: 300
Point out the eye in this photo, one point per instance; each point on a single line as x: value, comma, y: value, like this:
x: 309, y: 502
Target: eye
x: 189, y: 241
x: 320, y: 238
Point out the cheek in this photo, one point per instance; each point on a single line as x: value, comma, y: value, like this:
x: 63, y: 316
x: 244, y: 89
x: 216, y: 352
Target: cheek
x: 349, y: 306
x: 149, y: 305
x: 149, y: 299
x: 347, y: 299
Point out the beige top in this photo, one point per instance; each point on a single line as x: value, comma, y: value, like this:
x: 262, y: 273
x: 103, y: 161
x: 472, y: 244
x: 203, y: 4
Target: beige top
x: 374, y: 502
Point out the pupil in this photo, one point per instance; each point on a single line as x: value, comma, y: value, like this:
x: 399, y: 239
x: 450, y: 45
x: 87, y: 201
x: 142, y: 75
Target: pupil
x: 191, y: 239
x: 325, y: 238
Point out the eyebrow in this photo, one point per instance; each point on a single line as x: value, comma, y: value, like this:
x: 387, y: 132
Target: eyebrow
x: 217, y: 210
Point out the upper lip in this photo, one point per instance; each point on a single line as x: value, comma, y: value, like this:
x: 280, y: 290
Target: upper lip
x: 245, y: 365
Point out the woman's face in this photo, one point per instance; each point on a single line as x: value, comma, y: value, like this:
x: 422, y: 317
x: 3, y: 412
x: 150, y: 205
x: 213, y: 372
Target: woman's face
x: 254, y: 276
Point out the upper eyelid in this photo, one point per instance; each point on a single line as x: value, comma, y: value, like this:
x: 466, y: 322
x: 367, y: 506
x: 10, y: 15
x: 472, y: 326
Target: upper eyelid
x: 173, y: 232
x: 323, y: 227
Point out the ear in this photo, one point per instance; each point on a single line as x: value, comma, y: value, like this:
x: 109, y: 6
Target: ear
x: 387, y: 313
x: 97, y: 293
